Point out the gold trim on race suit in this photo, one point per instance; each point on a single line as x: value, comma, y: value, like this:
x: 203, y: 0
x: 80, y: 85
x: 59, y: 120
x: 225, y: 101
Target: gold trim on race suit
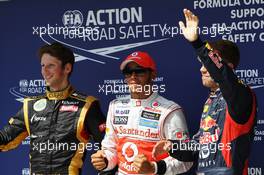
x: 77, y: 161
x: 59, y: 95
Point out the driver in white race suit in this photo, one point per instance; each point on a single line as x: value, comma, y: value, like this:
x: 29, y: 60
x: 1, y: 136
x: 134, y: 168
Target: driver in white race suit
x: 136, y: 123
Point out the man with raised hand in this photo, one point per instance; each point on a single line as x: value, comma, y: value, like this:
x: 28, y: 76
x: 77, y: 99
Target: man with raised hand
x: 229, y: 115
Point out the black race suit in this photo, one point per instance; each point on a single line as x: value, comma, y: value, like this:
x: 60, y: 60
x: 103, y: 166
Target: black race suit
x: 59, y: 125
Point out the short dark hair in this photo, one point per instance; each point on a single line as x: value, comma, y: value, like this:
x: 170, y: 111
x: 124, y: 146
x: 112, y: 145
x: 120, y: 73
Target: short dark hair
x: 228, y: 51
x: 58, y: 50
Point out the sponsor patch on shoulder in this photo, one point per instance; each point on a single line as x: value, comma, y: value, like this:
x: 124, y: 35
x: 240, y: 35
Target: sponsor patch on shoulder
x: 181, y: 135
x: 149, y: 109
x: 155, y: 104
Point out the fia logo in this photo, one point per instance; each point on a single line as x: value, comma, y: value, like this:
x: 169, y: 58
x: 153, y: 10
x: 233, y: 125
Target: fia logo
x: 23, y: 84
x: 72, y: 18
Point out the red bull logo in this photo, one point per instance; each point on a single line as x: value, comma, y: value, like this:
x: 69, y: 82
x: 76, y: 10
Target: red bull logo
x: 208, y: 123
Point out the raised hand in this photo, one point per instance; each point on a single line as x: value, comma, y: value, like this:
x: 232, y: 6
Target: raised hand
x: 190, y: 30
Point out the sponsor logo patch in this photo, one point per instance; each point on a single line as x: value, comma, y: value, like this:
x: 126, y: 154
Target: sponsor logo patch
x: 69, y: 108
x: 40, y: 105
x: 36, y: 118
x: 138, y: 103
x: 122, y: 112
x: 148, y: 123
x: 208, y: 123
x: 120, y: 120
x: 150, y: 115
x: 152, y: 110
x: 129, y: 151
x: 155, y: 104
x: 181, y: 135
x: 70, y: 102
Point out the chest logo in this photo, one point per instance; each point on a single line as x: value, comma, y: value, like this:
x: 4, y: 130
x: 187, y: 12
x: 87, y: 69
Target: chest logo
x: 129, y: 151
x: 120, y: 120
x: 36, y: 118
x: 150, y: 115
x: 208, y: 123
x: 40, y: 105
x: 70, y: 108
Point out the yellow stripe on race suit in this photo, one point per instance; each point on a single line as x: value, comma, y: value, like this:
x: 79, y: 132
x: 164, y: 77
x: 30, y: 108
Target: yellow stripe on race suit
x: 77, y: 162
x: 80, y: 126
x: 26, y: 120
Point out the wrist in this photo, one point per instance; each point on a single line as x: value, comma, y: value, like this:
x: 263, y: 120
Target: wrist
x: 198, y: 43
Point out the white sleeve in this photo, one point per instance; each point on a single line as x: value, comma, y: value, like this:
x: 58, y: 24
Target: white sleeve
x: 110, y: 140
x: 175, y: 128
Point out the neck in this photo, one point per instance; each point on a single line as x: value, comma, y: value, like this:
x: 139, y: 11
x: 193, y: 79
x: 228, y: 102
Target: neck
x: 142, y: 95
x: 60, y: 88
x: 213, y: 89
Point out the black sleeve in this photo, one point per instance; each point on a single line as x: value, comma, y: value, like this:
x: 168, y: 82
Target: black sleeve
x: 14, y: 131
x: 238, y: 96
x: 184, y: 151
x: 95, y: 122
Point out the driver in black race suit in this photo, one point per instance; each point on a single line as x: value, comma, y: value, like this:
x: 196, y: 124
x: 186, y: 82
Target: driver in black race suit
x: 136, y: 123
x: 229, y: 114
x: 59, y: 123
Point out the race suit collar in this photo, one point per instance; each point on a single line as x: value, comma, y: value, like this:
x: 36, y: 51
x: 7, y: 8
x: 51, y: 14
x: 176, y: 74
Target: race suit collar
x: 59, y: 95
x: 215, y: 93
x: 143, y: 102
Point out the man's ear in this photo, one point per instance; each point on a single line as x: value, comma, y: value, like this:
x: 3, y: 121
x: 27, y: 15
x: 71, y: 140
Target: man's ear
x: 68, y: 68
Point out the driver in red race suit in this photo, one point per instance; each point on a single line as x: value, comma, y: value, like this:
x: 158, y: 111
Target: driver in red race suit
x: 136, y: 123
x: 222, y: 144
